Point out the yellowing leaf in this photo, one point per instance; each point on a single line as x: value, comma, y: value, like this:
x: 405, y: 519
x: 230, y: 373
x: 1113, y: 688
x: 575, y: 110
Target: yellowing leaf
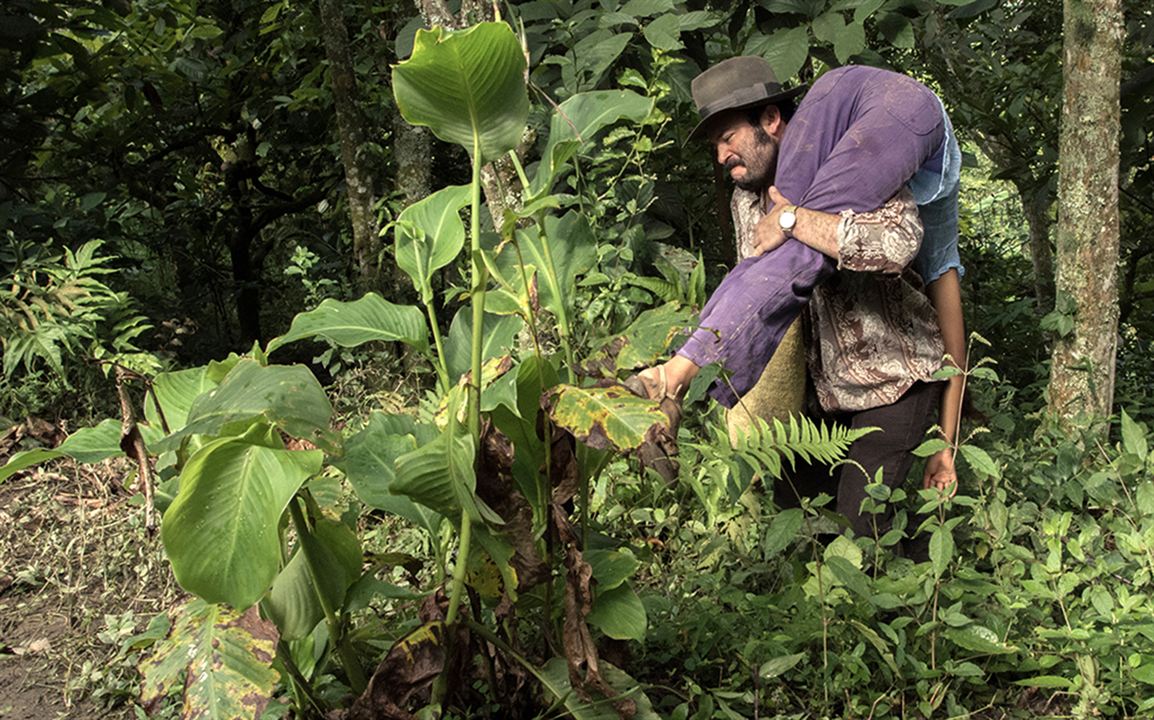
x: 607, y: 418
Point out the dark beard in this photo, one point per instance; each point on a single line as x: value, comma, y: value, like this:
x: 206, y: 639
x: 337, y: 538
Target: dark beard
x: 758, y: 179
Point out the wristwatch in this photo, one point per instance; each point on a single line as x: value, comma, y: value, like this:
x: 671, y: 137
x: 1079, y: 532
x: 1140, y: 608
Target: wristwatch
x: 787, y: 219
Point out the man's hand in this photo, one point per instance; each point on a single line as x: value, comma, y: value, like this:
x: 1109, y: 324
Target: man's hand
x: 940, y: 473
x: 769, y: 235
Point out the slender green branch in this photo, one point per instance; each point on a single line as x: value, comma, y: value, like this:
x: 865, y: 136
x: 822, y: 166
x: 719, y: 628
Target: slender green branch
x: 442, y: 368
x: 459, y: 567
x: 479, y: 278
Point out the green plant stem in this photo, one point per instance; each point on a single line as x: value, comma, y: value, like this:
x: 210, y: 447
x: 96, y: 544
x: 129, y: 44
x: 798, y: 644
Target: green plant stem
x: 442, y: 367
x: 480, y: 276
x: 520, y: 170
x: 458, y: 583
x: 349, y: 661
x: 302, y: 689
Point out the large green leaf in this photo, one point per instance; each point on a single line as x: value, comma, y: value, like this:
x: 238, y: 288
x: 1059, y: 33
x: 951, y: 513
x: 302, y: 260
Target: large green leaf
x: 176, y: 393
x: 221, y: 658
x: 979, y: 639
x: 370, y: 459
x: 785, y: 50
x: 350, y: 324
x: 430, y: 235
x: 221, y: 532
x: 618, y: 613
x: 87, y: 445
x: 611, y: 568
x: 440, y: 475
x: 606, y: 418
x: 293, y: 603
x: 287, y: 396
x: 468, y: 87
x: 577, y: 121
x: 499, y: 333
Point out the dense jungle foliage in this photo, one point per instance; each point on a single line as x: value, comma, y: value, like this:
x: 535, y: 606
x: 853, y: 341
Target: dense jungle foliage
x: 265, y: 249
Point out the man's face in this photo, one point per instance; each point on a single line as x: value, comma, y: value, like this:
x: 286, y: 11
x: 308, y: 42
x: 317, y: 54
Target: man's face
x: 747, y: 151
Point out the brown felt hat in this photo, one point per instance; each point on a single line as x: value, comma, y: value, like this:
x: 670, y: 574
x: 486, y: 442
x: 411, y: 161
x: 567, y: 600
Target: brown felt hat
x: 735, y: 84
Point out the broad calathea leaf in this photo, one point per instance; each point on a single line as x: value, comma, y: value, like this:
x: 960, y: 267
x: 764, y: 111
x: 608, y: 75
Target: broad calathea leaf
x: 349, y: 324
x: 606, y: 418
x: 292, y: 603
x: 500, y: 332
x: 287, y: 396
x: 173, y: 395
x: 221, y: 532
x: 221, y: 657
x: 468, y: 87
x: 87, y: 445
x: 441, y: 476
x: 430, y: 235
x: 369, y: 462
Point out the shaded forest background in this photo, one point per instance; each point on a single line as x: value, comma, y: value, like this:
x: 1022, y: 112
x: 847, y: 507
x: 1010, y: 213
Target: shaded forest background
x: 179, y: 180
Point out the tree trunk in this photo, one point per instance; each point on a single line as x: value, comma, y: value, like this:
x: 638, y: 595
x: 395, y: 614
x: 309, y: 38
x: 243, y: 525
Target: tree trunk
x: 352, y: 131
x: 1036, y: 208
x: 1082, y: 372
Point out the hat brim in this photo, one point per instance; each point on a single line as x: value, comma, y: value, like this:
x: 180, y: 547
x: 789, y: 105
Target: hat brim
x: 702, y: 126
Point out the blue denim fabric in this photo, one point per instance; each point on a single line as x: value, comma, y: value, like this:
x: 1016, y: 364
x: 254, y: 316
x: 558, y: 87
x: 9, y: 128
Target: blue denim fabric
x: 856, y: 138
x: 936, y: 193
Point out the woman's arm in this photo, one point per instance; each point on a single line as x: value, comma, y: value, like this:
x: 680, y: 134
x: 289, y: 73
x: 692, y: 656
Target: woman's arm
x: 946, y: 295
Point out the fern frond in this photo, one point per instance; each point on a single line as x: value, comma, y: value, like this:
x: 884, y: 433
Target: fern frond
x: 768, y: 446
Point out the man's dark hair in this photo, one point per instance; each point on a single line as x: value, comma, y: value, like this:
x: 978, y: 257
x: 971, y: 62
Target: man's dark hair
x: 786, y: 107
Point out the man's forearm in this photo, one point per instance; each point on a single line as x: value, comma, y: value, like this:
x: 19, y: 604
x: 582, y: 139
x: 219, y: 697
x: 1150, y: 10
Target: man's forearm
x: 818, y: 230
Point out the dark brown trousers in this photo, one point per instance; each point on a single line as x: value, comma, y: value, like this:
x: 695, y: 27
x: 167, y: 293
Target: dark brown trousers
x: 903, y: 427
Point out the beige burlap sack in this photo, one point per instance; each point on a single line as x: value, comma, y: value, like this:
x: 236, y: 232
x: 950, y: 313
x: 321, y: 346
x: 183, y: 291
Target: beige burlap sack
x: 780, y: 390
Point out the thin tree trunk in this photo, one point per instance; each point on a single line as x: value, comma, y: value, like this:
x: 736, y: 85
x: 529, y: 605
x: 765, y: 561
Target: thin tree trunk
x: 1036, y: 208
x: 1082, y: 372
x: 352, y: 132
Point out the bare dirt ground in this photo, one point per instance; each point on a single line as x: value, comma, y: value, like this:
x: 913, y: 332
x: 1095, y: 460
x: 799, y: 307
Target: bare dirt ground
x: 79, y: 575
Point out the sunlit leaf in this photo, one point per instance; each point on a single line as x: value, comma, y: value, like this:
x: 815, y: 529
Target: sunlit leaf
x: 611, y: 568
x: 980, y: 461
x: 221, y: 531
x: 785, y: 50
x: 468, y: 87
x: 554, y: 678
x: 86, y: 445
x: 941, y: 549
x: 779, y: 666
x: 176, y: 393
x: 430, y: 235
x: 979, y: 639
x: 349, y: 324
x: 498, y: 335
x: 287, y: 396
x: 577, y: 121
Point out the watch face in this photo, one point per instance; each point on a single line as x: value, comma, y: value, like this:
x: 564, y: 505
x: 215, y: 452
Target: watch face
x: 787, y: 220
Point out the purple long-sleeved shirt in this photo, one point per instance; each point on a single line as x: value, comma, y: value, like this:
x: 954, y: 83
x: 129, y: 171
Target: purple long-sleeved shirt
x: 859, y: 134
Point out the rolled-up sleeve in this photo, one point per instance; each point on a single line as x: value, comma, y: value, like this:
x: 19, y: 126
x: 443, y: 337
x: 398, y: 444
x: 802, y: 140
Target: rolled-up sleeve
x: 884, y: 241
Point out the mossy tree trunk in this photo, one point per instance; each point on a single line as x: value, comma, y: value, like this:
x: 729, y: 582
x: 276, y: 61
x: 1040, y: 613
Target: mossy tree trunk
x: 352, y: 133
x: 1082, y: 373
